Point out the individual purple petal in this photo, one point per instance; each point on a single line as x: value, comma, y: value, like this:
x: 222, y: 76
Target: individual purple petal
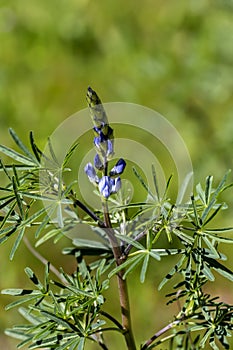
x: 109, y: 151
x: 117, y: 185
x: 97, y: 130
x: 118, y: 168
x: 97, y: 142
x: 98, y: 163
x: 90, y: 171
x: 105, y: 186
x: 99, y: 139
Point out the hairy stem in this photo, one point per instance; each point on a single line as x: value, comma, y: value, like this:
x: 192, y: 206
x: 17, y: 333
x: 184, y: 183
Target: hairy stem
x: 122, y: 283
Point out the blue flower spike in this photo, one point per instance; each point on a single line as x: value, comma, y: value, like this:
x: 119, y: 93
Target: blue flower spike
x: 103, y: 141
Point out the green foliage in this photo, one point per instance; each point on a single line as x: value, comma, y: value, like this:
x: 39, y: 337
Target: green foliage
x: 63, y: 319
x: 69, y: 313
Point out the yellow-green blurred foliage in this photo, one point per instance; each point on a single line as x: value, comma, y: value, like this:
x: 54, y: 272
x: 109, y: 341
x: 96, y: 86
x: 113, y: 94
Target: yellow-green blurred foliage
x: 173, y: 56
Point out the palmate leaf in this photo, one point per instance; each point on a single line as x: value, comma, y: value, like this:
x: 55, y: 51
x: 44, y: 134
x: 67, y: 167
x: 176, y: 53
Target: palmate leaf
x: 142, y: 255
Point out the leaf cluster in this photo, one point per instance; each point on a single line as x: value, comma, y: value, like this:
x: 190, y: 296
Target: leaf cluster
x: 66, y: 314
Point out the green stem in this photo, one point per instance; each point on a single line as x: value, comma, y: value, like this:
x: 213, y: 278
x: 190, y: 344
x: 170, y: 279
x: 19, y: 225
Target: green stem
x: 122, y: 283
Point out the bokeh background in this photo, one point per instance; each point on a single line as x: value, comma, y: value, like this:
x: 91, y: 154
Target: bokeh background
x: 173, y: 56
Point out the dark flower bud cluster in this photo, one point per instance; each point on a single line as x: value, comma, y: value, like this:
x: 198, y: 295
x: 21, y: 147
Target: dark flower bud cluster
x: 103, y: 141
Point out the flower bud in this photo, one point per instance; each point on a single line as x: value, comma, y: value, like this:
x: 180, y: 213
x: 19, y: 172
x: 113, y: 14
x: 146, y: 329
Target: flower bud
x: 97, y: 111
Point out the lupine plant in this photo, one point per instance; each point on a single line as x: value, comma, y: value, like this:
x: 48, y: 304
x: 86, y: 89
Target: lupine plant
x: 67, y: 311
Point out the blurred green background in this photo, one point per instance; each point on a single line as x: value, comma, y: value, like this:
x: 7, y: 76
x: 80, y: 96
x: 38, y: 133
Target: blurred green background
x: 175, y: 57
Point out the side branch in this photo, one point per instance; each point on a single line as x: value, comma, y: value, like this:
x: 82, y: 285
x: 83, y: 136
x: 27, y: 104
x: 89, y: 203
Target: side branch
x: 159, y: 333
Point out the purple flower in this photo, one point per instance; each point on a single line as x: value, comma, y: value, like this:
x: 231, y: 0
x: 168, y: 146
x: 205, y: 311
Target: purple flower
x: 109, y: 151
x: 97, y: 130
x: 117, y: 185
x: 98, y: 140
x: 118, y: 168
x: 104, y: 130
x: 98, y: 163
x: 90, y: 171
x: 105, y: 186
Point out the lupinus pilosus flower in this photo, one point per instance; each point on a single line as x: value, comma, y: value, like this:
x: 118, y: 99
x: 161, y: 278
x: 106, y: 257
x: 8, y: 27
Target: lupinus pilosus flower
x: 118, y: 168
x: 103, y: 142
x: 91, y: 173
x: 98, y: 163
